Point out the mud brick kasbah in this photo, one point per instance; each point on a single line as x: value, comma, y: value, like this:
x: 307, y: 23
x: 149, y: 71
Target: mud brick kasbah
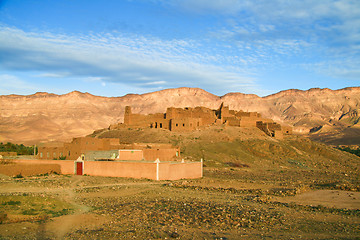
x: 189, y: 119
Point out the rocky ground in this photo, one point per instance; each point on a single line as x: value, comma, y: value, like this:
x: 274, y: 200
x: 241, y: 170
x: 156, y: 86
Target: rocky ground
x: 215, y: 207
x: 254, y: 187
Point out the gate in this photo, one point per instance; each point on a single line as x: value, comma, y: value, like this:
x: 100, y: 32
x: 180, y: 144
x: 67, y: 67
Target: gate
x: 79, y: 166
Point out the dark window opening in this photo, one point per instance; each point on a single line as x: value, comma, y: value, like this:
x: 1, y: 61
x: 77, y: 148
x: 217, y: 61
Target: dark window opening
x: 160, y: 125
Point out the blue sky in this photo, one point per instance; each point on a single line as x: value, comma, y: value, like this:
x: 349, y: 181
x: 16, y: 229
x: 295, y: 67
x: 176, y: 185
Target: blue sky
x: 115, y: 47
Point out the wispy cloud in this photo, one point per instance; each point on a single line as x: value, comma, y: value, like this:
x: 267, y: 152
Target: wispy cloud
x: 310, y: 32
x: 10, y: 84
x: 209, y: 6
x: 340, y: 68
x: 133, y: 60
x: 52, y: 75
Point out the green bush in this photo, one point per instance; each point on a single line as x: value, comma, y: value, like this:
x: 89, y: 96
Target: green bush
x: 30, y: 212
x: 11, y: 203
x: 19, y: 149
x: 349, y: 150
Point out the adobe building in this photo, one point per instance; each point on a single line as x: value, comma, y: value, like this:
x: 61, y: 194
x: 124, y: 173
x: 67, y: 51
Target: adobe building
x: 189, y: 119
x: 110, y: 158
x: 96, y: 147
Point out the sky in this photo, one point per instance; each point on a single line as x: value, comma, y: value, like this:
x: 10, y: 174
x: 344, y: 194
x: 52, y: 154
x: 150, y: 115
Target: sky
x: 115, y: 47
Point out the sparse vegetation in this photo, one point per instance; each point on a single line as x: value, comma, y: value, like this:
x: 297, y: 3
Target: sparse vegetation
x: 19, y: 176
x: 349, y: 150
x: 19, y: 149
x: 11, y: 202
x: 33, y: 206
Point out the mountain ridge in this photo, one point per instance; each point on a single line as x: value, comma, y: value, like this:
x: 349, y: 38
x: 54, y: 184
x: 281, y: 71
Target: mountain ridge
x: 282, y: 92
x: 76, y: 114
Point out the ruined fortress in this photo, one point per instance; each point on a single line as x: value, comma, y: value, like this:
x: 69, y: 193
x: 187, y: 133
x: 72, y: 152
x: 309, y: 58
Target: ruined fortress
x: 189, y: 119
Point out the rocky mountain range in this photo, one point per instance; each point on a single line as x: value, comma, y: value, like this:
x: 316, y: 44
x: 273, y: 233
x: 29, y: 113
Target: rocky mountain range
x: 326, y: 115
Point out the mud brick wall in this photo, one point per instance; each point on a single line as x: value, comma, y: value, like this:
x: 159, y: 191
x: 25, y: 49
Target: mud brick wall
x: 66, y: 166
x: 28, y: 169
x: 120, y: 169
x: 176, y: 171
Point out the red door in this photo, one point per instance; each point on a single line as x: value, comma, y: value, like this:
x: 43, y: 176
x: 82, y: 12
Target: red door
x: 79, y: 168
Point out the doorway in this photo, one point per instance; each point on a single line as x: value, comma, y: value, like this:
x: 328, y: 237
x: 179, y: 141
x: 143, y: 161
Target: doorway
x: 79, y: 167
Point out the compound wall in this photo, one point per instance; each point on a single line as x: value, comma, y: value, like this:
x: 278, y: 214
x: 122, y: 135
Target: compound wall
x: 176, y: 171
x: 149, y: 170
x: 59, y: 166
x: 121, y: 169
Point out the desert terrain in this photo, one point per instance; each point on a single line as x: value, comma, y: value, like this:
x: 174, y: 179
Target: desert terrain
x: 216, y: 207
x: 254, y: 187
x: 330, y: 116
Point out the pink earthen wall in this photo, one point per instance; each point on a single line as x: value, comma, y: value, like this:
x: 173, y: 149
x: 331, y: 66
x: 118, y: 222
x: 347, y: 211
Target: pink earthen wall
x: 176, y: 171
x: 66, y: 166
x: 121, y: 169
x: 162, y: 154
x: 167, y: 171
x: 28, y: 169
x: 128, y: 154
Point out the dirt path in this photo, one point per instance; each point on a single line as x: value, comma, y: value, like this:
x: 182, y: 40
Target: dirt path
x: 327, y: 198
x: 82, y: 218
x: 11, y: 188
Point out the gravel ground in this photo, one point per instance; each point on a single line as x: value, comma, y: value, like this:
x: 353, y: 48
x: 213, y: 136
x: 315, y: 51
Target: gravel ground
x: 115, y: 208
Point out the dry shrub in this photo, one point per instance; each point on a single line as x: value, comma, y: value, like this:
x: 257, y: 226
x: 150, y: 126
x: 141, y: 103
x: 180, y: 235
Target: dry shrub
x: 237, y: 165
x: 5, y: 161
x: 3, y: 217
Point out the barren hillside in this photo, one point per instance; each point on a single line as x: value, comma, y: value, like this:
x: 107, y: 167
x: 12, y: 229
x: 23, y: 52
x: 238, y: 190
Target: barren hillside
x: 331, y: 115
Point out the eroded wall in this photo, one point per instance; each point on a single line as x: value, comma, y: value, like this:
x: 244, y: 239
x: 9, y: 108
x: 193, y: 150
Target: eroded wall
x: 190, y: 119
